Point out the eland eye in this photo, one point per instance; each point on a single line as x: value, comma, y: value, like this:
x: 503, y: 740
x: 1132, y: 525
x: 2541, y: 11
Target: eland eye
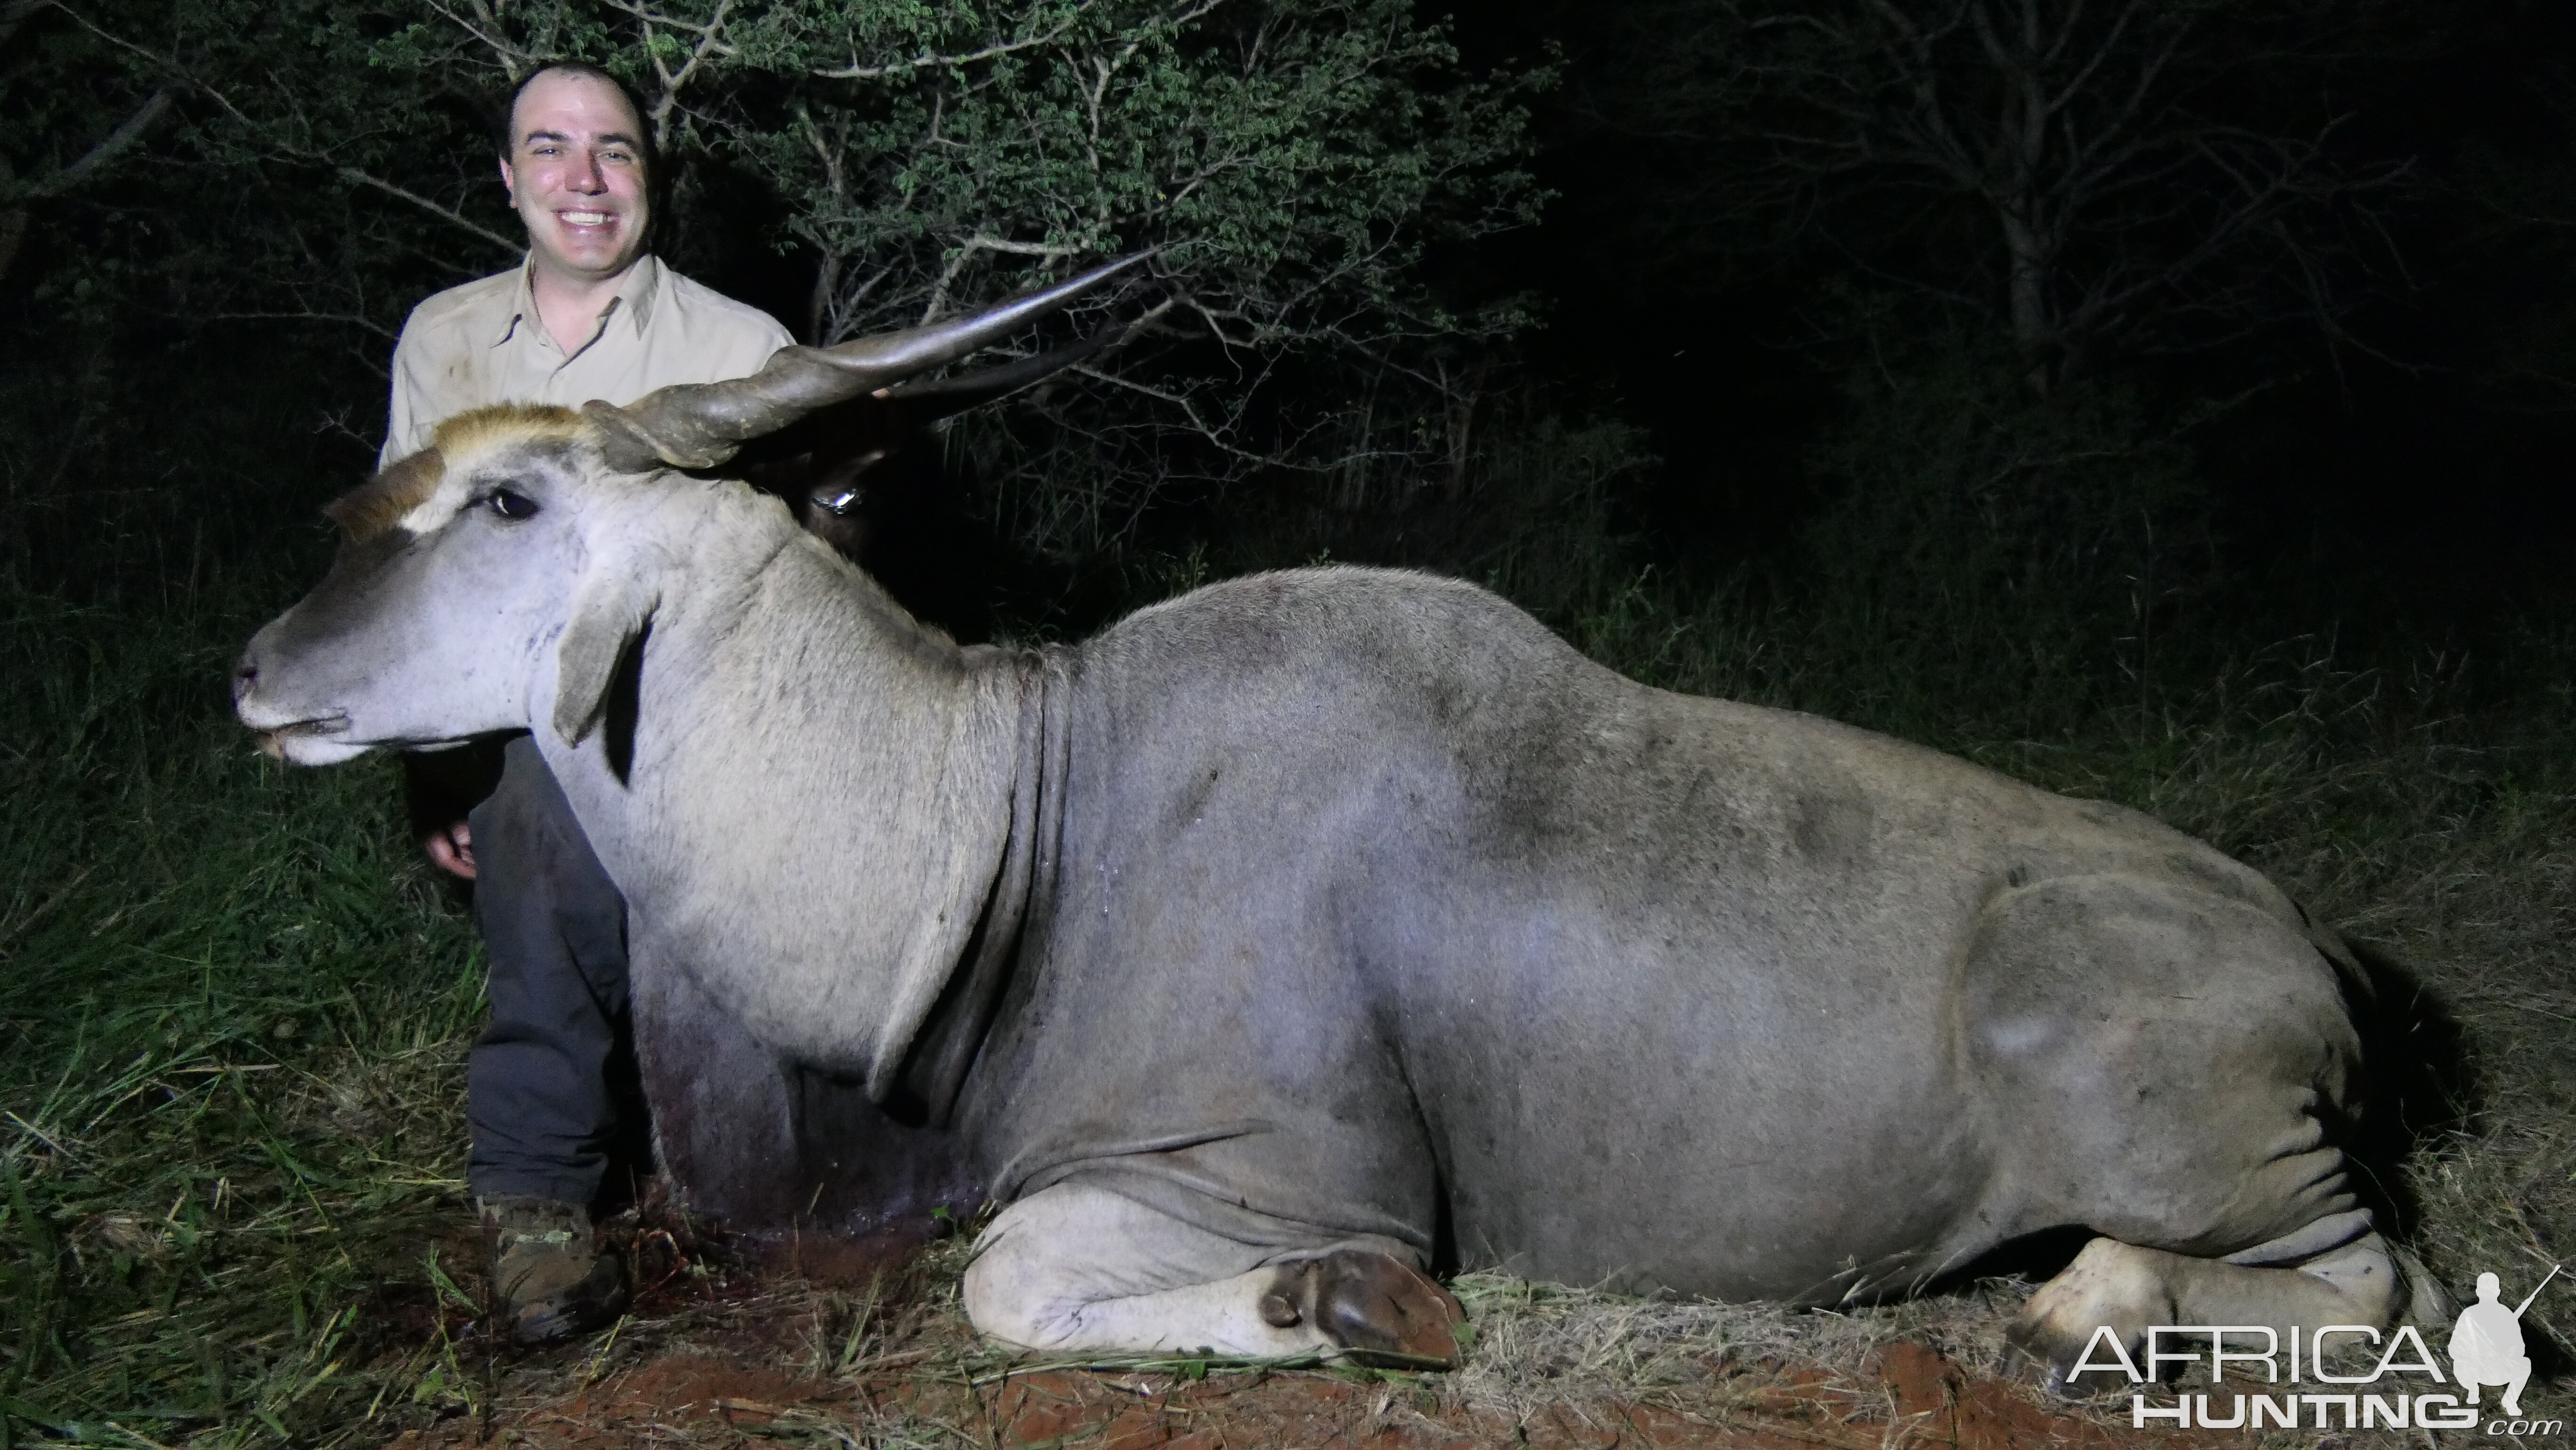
x: 511, y: 505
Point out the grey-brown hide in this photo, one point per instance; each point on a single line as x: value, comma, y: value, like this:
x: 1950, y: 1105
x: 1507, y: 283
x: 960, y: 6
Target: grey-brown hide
x: 765, y: 1145
x: 1346, y: 908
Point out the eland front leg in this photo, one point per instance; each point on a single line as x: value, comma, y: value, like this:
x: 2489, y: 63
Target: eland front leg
x: 1079, y: 1269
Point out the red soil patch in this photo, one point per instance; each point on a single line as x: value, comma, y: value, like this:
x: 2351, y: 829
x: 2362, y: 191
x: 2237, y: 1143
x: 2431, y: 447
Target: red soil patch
x: 1942, y: 1405
x: 714, y: 1398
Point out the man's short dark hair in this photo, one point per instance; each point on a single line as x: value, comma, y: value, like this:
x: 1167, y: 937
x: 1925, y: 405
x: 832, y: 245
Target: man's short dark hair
x: 507, y: 144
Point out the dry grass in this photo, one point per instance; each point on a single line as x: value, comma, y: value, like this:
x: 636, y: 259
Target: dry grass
x: 1538, y: 1345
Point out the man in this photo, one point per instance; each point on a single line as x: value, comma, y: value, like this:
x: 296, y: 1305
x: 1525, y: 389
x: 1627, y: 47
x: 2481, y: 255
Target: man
x: 589, y: 314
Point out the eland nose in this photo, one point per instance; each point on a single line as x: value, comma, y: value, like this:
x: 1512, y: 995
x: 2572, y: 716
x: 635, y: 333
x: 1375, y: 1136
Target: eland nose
x: 245, y: 678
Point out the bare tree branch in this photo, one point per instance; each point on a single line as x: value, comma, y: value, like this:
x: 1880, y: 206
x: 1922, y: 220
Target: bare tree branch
x: 2066, y: 130
x: 487, y: 29
x: 710, y: 44
x: 349, y: 319
x: 449, y: 214
x: 934, y: 61
x: 118, y: 141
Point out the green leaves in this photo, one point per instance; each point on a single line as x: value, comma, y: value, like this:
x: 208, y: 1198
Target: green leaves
x: 1293, y: 161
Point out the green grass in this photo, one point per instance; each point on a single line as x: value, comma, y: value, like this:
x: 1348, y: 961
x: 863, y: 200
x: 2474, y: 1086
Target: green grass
x: 232, y: 1014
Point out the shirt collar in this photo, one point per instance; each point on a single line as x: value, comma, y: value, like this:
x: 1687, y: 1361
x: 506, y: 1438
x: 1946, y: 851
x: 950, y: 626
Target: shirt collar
x: 635, y: 297
x: 641, y: 290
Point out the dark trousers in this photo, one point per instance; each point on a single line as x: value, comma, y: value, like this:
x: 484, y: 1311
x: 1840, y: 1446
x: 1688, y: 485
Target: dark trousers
x: 549, y: 1086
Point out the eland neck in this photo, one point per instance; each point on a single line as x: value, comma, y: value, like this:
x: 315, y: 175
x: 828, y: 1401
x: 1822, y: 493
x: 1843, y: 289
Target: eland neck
x: 807, y: 800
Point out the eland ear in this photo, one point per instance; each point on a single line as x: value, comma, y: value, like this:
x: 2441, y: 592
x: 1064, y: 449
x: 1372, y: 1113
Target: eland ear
x: 607, y: 616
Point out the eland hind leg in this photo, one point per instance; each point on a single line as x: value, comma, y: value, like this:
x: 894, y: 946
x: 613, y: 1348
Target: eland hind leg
x: 2168, y: 1057
x: 1076, y: 1268
x: 2128, y: 1290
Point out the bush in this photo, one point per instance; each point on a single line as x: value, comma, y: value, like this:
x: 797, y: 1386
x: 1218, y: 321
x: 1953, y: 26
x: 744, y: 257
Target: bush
x: 1987, y: 553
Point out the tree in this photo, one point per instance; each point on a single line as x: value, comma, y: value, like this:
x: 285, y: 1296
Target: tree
x: 1292, y: 163
x: 2090, y: 175
x: 2520, y: 186
x: 55, y: 138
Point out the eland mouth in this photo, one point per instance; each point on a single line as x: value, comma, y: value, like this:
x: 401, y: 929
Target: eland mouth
x: 274, y: 740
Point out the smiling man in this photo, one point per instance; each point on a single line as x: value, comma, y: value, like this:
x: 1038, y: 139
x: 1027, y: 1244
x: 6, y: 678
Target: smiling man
x: 589, y: 314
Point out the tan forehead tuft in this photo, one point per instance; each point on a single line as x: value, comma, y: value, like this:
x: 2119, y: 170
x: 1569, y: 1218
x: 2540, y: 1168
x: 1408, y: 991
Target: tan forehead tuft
x: 482, y: 429
x: 379, y: 503
x: 405, y: 484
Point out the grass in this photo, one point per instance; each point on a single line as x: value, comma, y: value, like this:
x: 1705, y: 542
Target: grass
x: 234, y: 1011
x: 234, y: 1005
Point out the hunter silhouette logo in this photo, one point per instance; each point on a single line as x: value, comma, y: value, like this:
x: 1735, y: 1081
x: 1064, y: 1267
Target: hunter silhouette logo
x: 2486, y: 1345
x: 2486, y: 1349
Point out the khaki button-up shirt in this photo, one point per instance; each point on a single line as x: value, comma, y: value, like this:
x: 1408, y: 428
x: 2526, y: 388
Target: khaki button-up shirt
x: 483, y: 343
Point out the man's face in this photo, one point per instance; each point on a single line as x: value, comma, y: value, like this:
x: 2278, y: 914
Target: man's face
x: 576, y: 174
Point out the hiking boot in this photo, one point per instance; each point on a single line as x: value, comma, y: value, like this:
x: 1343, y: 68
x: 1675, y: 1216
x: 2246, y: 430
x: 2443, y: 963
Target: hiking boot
x: 548, y: 1274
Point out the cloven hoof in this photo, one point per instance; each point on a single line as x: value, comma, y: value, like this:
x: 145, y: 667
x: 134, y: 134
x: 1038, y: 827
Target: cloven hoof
x: 1381, y: 1311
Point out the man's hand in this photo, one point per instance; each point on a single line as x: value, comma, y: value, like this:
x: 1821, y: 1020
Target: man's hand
x: 439, y: 790
x: 452, y: 850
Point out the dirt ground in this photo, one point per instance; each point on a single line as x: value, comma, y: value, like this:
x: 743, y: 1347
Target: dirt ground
x: 707, y: 1396
x: 861, y: 1344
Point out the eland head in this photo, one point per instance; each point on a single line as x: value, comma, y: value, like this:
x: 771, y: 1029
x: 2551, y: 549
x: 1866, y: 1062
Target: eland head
x: 479, y: 577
